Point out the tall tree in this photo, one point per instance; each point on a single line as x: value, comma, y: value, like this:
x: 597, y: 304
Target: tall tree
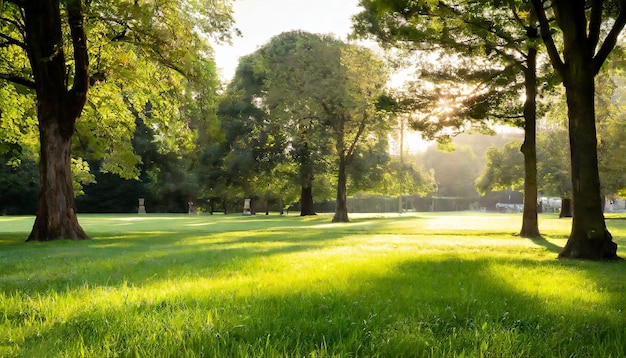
x: 350, y: 107
x: 58, y: 108
x: 53, y: 37
x: 298, y: 64
x: 321, y: 93
x: 500, y: 38
x: 589, y: 31
x: 267, y: 82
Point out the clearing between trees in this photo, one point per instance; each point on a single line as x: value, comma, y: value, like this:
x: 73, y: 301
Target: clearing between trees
x: 421, y: 284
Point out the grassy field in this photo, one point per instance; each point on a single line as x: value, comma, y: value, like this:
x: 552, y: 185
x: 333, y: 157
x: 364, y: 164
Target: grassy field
x: 231, y: 286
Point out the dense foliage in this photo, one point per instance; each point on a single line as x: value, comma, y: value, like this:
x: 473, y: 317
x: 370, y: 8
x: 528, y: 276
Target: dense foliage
x: 141, y: 61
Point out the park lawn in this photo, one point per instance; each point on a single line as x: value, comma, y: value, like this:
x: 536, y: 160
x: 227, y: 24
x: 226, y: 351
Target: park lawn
x: 423, y: 284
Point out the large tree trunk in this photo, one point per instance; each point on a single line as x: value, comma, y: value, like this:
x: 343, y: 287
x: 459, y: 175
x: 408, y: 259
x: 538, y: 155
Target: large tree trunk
x: 306, y: 201
x: 341, y: 208
x: 56, y: 212
x: 306, y: 177
x: 566, y: 208
x: 589, y: 238
x: 530, y: 224
x: 57, y: 109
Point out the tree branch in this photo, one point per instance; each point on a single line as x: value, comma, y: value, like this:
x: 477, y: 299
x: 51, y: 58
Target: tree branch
x: 507, y: 116
x: 595, y: 23
x: 8, y: 41
x: 546, y: 36
x: 117, y: 36
x: 13, y: 22
x: 357, y: 137
x: 75, y: 16
x: 510, y: 57
x: 510, y: 41
x: 516, y: 16
x: 611, y: 39
x: 18, y: 80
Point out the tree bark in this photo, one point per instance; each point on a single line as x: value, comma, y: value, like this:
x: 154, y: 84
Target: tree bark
x: 57, y: 109
x: 306, y: 177
x: 566, y: 208
x: 530, y: 224
x: 341, y: 208
x: 589, y: 238
x: 306, y: 201
x: 56, y: 212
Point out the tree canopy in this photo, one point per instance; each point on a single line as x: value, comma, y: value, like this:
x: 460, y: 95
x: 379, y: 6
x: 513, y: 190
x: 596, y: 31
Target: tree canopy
x: 54, y: 52
x: 318, y: 95
x: 486, y: 55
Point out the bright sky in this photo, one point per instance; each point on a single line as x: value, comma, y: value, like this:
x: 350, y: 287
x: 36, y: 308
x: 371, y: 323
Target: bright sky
x: 260, y: 20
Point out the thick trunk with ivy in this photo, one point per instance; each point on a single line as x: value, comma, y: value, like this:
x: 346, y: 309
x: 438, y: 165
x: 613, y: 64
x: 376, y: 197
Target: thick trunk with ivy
x: 530, y: 224
x: 589, y: 238
x: 57, y: 109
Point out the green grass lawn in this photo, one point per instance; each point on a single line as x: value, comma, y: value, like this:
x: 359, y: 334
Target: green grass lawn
x: 383, y: 285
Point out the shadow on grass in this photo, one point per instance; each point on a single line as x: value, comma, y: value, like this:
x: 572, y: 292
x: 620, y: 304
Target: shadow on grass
x: 183, y: 246
x: 546, y: 243
x: 422, y: 307
x: 140, y: 258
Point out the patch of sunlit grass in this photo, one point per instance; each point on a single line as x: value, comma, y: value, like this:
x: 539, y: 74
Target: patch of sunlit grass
x: 382, y: 285
x: 557, y: 287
